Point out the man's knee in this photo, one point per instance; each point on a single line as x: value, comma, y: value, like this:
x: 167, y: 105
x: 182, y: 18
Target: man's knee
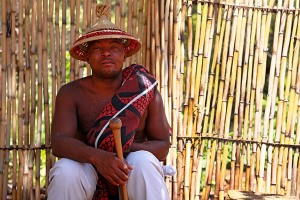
x: 144, y: 161
x: 66, y: 170
x: 67, y: 175
x: 147, y: 175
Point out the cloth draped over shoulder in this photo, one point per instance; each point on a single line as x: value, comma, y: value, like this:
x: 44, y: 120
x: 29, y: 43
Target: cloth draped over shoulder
x: 129, y: 104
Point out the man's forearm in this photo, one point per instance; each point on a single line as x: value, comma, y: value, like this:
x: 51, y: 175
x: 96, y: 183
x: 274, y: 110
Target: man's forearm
x: 67, y: 147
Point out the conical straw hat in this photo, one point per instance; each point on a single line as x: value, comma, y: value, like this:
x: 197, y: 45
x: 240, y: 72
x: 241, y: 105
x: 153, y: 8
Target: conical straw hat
x: 103, y: 29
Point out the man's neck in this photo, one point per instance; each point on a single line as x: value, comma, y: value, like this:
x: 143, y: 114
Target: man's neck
x: 112, y: 84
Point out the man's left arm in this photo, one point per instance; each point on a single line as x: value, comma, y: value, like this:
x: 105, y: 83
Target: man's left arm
x: 157, y: 130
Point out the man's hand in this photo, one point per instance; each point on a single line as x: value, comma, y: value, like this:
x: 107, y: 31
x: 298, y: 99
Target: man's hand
x: 112, y: 168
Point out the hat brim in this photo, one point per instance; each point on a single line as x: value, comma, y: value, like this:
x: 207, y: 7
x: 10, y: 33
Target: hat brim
x: 79, y: 50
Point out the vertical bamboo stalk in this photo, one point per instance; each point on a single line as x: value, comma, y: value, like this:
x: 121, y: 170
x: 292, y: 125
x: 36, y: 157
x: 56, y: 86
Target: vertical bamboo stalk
x: 52, y: 54
x: 33, y: 97
x: 63, y: 41
x: 250, y: 100
x: 12, y: 99
x: 141, y: 15
x: 72, y: 38
x: 3, y: 123
x: 40, y: 91
x: 269, y: 111
x: 274, y: 73
x: 152, y: 59
x: 22, y: 137
x: 280, y: 113
x: 123, y: 14
x: 85, y: 26
x: 157, y: 44
x: 58, y: 46
x: 27, y: 97
x: 147, y: 36
x: 118, y: 12
x: 295, y: 80
x: 53, y: 89
x: 238, y: 117
x: 193, y: 60
x: 79, y: 65
x: 174, y: 86
x: 223, y: 101
x: 259, y: 96
x: 130, y: 18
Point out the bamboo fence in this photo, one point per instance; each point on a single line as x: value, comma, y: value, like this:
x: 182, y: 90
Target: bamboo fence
x: 228, y: 72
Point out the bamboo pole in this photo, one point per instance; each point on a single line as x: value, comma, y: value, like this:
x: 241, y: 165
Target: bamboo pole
x: 157, y: 44
x: 280, y: 113
x: 63, y: 41
x: 275, y: 85
x: 11, y: 97
x: 58, y: 47
x: 186, y: 11
x: 237, y: 173
x: 22, y: 138
x: 117, y: 13
x: 259, y: 97
x: 147, y: 37
x: 79, y: 65
x: 72, y: 38
x: 196, y: 162
x: 245, y: 95
x: 296, y: 187
x: 3, y: 123
x: 269, y: 112
x: 33, y: 52
x: 27, y: 97
x: 152, y: 25
x: 174, y: 85
x: 286, y: 44
x: 250, y: 100
x: 86, y: 24
x: 39, y: 90
x: 140, y: 18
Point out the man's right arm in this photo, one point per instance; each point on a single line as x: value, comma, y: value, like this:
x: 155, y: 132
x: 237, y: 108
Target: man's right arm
x: 65, y: 139
x: 67, y: 142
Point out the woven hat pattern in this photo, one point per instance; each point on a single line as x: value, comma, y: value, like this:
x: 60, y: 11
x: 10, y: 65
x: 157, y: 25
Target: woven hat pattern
x: 103, y: 29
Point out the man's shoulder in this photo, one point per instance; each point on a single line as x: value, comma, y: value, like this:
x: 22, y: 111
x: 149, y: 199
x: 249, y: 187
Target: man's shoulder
x: 73, y: 86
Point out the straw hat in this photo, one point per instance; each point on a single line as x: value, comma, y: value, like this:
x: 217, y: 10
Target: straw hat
x: 104, y: 29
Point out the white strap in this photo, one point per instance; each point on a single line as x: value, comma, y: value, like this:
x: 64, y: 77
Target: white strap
x: 133, y: 100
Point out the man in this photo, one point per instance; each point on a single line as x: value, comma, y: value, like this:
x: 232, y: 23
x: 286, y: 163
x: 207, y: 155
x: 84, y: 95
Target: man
x: 89, y: 168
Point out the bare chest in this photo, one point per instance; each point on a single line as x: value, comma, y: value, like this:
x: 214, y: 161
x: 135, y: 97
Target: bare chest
x: 90, y: 107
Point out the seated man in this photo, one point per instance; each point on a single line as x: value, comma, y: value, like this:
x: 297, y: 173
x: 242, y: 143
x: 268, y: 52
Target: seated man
x: 81, y: 137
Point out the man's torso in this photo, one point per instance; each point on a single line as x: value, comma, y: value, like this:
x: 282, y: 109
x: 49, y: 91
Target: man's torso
x: 91, y: 101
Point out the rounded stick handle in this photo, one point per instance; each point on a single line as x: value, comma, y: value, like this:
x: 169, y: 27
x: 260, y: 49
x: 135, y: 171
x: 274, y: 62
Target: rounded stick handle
x: 115, y: 125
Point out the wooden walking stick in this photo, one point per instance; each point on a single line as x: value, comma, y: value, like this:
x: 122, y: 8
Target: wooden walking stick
x: 115, y: 125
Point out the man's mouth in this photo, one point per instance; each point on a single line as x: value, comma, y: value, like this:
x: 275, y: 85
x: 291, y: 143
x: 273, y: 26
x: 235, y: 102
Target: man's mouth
x: 107, y: 62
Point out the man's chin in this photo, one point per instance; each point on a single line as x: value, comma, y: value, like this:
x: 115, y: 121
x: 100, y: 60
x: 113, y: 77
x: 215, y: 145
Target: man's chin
x: 109, y: 74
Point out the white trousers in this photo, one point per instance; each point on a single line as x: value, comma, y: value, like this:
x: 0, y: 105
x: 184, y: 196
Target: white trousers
x: 71, y: 180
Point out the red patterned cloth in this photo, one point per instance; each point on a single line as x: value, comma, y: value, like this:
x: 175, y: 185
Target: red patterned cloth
x: 129, y: 103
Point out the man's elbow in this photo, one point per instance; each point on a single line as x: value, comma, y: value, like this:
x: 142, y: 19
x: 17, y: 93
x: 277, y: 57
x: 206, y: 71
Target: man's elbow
x: 165, y: 152
x: 55, y: 147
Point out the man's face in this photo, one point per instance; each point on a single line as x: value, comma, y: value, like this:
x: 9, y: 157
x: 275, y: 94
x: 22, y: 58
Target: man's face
x: 106, y: 57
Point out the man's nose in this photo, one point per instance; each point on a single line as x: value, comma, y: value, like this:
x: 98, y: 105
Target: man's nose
x: 106, y: 52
